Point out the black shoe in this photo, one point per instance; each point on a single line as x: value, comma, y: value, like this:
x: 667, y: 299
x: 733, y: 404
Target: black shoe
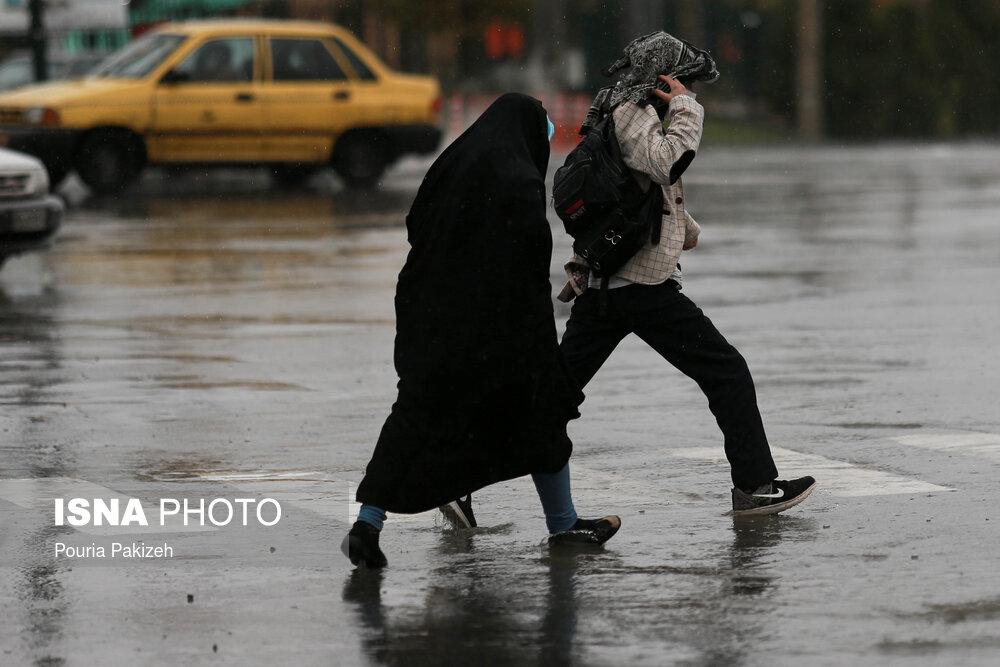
x: 459, y: 513
x: 588, y: 531
x: 361, y: 546
x: 772, y: 498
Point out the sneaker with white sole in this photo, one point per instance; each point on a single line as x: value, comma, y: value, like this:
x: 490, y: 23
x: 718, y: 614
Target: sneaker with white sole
x: 459, y: 513
x: 772, y: 497
x: 588, y: 531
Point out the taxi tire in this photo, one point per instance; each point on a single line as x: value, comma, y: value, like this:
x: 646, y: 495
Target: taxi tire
x: 360, y: 158
x: 108, y: 161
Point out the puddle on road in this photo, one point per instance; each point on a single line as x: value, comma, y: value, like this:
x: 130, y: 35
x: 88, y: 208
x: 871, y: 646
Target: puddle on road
x: 975, y: 611
x: 283, y: 325
x: 807, y: 382
x: 264, y: 476
x: 810, y: 278
x: 192, y: 358
x: 255, y: 385
x: 214, y: 470
x: 214, y: 239
x: 177, y: 469
x: 250, y: 212
x: 877, y: 425
x: 702, y: 607
x: 224, y: 319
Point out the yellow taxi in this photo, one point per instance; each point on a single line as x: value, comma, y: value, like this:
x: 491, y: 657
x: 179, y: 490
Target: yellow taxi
x: 292, y: 96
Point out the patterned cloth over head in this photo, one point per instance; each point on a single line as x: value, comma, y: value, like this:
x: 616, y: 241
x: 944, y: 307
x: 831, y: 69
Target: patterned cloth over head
x: 641, y: 62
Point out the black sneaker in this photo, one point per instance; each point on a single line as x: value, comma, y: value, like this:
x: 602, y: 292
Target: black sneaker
x: 361, y: 546
x: 772, y: 498
x: 588, y: 531
x: 459, y: 513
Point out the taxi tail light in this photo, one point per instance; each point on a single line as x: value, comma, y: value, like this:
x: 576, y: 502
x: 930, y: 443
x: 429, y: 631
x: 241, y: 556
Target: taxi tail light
x: 437, y: 104
x: 41, y: 116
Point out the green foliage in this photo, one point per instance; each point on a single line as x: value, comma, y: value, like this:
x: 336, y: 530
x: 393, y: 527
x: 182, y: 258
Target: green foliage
x: 913, y: 69
x: 856, y: 58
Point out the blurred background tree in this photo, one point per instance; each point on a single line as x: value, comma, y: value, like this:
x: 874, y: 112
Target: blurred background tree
x: 844, y: 69
x: 894, y: 68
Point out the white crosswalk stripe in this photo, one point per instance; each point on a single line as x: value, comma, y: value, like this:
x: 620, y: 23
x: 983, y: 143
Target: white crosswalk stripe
x: 621, y: 490
x: 980, y: 445
x: 834, y: 477
x: 315, y: 491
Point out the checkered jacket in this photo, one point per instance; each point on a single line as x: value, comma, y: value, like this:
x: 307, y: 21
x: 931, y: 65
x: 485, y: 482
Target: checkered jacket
x: 652, y: 153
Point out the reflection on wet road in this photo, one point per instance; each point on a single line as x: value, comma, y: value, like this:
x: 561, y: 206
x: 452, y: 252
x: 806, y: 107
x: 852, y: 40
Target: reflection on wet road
x: 219, y: 338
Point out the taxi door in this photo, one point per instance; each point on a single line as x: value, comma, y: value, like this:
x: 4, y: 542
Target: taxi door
x: 309, y: 99
x: 208, y: 108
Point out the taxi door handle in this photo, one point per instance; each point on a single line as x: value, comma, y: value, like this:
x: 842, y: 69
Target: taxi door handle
x: 245, y: 97
x: 341, y: 96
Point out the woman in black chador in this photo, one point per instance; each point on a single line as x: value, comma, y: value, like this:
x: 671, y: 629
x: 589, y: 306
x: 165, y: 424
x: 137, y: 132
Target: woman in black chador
x: 484, y: 395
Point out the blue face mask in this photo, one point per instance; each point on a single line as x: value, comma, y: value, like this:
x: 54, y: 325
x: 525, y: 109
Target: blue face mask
x: 551, y: 127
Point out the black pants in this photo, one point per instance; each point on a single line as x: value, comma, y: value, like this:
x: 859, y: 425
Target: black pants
x: 675, y: 327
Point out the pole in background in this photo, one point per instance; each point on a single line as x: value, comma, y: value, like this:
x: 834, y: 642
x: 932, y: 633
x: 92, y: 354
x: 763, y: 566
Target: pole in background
x: 549, y: 47
x: 691, y: 24
x: 36, y: 35
x: 809, y: 69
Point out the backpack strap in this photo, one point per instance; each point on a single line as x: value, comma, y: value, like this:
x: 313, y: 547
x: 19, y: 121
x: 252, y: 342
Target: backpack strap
x: 602, y: 298
x: 656, y: 203
x: 651, y: 202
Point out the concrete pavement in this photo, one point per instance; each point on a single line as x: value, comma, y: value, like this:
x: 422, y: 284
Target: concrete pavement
x: 215, y: 338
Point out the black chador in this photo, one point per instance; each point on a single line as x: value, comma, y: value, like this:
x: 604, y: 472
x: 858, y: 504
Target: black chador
x: 484, y: 395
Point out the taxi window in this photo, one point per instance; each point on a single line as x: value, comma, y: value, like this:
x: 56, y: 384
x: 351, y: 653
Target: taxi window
x: 303, y: 60
x: 140, y: 57
x: 219, y: 61
x: 360, y: 68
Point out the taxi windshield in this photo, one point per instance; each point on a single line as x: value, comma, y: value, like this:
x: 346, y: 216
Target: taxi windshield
x: 140, y: 57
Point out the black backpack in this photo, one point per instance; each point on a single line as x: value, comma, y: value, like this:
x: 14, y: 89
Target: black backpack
x: 601, y: 204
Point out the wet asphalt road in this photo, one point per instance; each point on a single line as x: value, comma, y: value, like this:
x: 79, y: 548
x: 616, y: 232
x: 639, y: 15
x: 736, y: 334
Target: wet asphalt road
x: 213, y: 337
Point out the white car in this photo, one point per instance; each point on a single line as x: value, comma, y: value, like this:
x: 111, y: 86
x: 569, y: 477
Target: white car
x: 29, y: 215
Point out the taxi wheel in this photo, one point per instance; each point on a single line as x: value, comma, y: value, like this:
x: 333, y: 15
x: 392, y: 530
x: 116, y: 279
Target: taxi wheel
x: 360, y: 158
x: 108, y: 161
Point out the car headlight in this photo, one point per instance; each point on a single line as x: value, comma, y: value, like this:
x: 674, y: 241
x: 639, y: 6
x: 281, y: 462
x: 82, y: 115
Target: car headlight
x: 39, y: 183
x: 41, y: 116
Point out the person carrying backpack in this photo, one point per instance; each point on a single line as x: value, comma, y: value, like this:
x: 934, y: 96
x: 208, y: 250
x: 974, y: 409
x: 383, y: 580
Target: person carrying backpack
x: 643, y: 296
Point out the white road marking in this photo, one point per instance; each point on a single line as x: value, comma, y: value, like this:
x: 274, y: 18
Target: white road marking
x: 834, y: 477
x: 983, y: 445
x: 315, y: 491
x: 40, y: 494
x: 620, y: 490
x: 310, y: 490
x: 267, y: 476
